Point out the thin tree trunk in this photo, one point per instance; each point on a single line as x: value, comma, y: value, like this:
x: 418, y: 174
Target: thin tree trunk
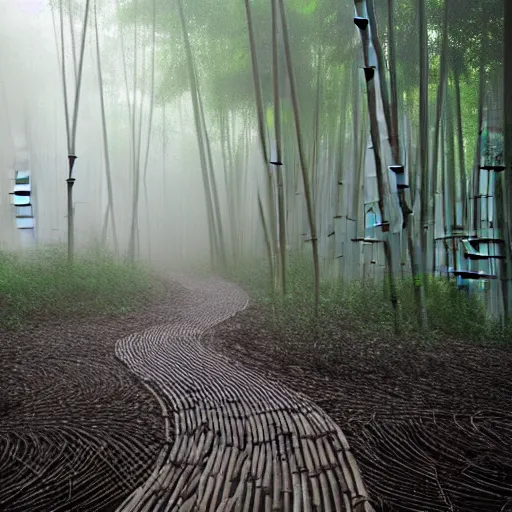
x: 393, y: 135
x: 437, y: 126
x: 135, y: 159
x: 478, y: 156
x: 105, y: 138
x: 71, y: 132
x: 267, y: 242
x: 395, y: 145
x: 199, y: 133
x: 506, y: 180
x: 150, y: 129
x: 231, y: 190
x: 340, y: 141
x: 213, y: 183
x: 381, y: 69
x: 460, y: 144
x: 375, y: 136
x: 79, y: 81
x: 278, y: 162
x: 316, y: 130
x: 423, y: 181
x: 451, y: 182
x: 261, y: 129
x: 73, y: 42
x: 64, y: 80
x: 127, y: 87
x: 302, y: 156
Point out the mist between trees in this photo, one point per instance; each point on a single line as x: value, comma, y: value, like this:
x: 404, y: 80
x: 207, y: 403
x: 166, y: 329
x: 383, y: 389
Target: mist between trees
x: 371, y: 139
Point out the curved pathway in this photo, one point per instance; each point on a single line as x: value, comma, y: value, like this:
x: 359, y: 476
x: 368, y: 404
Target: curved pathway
x: 235, y: 441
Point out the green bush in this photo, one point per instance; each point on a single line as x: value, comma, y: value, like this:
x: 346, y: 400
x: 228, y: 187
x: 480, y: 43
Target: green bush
x: 365, y: 308
x: 43, y: 283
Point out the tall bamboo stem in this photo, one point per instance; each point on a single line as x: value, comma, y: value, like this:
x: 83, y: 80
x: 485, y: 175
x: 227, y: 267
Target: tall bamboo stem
x: 302, y: 156
x: 278, y: 162
x: 199, y: 133
x: 261, y: 130
x: 105, y: 137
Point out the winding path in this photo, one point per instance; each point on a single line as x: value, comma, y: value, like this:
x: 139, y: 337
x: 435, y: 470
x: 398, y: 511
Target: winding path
x: 235, y: 441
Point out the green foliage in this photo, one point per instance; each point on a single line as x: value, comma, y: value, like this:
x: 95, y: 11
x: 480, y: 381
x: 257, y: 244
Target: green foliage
x: 363, y: 310
x: 43, y: 284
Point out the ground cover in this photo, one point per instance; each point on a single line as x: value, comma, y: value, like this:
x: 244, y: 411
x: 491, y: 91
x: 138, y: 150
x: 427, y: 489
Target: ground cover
x: 427, y: 415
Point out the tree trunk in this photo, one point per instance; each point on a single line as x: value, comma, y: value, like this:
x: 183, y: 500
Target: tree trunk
x: 302, y: 156
x: 478, y: 156
x: 460, y: 144
x: 395, y: 145
x: 507, y: 178
x: 375, y: 137
x: 437, y: 127
x: 150, y: 129
x: 424, y: 182
x: 213, y: 183
x: 278, y: 158
x: 105, y: 139
x: 261, y: 132
x: 197, y: 119
x: 71, y: 131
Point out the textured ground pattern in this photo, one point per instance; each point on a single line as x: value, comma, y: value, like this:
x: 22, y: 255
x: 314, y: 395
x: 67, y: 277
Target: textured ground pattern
x: 138, y: 413
x: 77, y: 430
x: 241, y: 442
x: 431, y: 425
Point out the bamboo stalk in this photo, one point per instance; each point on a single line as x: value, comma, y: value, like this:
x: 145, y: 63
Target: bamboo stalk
x: 302, y: 156
x: 267, y: 242
x: 506, y: 180
x: 213, y: 182
x: 394, y: 134
x: 79, y: 80
x: 199, y: 133
x: 423, y: 183
x: 437, y: 127
x: 451, y: 182
x: 460, y: 144
x: 64, y: 81
x: 71, y: 131
x: 395, y: 146
x: 277, y: 127
x: 127, y: 88
x: 135, y: 145
x: 73, y: 42
x: 381, y: 69
x: 375, y: 137
x: 478, y: 156
x: 261, y: 128
x: 105, y: 139
x: 150, y: 127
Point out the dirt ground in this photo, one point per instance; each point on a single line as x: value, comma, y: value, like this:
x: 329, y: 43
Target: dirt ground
x: 430, y: 427
x: 77, y: 430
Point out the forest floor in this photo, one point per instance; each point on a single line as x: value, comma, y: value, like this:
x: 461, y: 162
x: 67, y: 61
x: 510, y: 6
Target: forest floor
x: 430, y: 426
x: 78, y: 431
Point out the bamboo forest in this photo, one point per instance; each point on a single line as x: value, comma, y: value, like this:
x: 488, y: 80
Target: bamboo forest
x: 256, y: 255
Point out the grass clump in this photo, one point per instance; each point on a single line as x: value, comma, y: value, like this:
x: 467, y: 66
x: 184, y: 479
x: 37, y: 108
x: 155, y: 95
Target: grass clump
x: 364, y: 310
x: 43, y: 283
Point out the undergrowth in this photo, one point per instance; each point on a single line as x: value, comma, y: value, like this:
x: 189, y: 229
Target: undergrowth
x: 364, y: 309
x: 43, y: 283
